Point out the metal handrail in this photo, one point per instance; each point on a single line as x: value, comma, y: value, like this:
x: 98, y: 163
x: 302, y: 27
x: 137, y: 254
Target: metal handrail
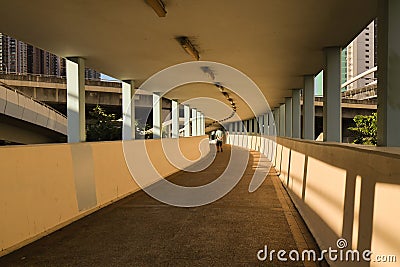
x: 54, y: 76
x: 359, y: 76
x: 367, y: 87
x: 9, y: 87
x: 31, y: 74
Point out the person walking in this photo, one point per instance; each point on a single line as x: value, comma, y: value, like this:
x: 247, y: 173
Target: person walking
x: 219, y: 134
x: 212, y: 136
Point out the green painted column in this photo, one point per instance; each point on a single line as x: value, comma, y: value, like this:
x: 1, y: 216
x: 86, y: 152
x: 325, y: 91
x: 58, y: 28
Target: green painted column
x: 282, y: 123
x: 332, y: 111
x: 296, y: 113
x: 288, y: 117
x: 389, y: 73
x: 308, y: 108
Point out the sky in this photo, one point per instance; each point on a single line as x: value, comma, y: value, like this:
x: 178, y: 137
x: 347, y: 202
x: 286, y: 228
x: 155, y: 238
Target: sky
x: 106, y: 77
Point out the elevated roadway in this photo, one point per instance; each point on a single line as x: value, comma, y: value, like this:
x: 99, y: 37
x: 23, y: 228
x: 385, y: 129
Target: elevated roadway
x: 25, y: 120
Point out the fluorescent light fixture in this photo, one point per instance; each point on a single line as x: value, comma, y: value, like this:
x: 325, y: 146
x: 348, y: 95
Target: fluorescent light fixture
x: 219, y: 86
x: 158, y: 6
x: 188, y: 46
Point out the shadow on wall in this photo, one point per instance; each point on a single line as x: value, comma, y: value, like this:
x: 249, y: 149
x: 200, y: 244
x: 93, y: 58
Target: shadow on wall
x: 342, y: 191
x: 60, y: 183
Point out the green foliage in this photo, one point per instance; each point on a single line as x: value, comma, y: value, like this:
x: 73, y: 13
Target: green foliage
x: 365, y: 130
x: 143, y: 129
x: 102, y: 126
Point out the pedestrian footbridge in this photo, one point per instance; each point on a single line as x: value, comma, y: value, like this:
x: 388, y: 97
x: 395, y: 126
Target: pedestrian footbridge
x: 278, y: 191
x: 307, y: 198
x: 138, y: 230
x: 27, y: 121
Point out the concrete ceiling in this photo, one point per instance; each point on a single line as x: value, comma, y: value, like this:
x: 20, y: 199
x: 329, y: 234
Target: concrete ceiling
x: 274, y: 42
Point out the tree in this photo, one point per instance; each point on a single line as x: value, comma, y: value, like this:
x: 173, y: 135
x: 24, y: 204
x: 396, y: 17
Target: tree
x: 102, y: 126
x: 365, y: 130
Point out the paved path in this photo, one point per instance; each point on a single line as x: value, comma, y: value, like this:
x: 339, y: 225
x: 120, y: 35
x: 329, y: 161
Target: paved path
x: 139, y: 231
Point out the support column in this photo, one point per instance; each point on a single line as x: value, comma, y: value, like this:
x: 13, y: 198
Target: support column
x: 198, y: 122
x: 332, y: 115
x: 265, y: 122
x: 203, y: 127
x: 186, y: 114
x: 194, y: 122
x: 288, y: 117
x: 388, y: 73
x: 271, y: 124
x: 76, y: 130
x: 308, y: 108
x: 157, y: 112
x: 277, y: 121
x: 261, y: 124
x: 230, y: 128
x: 201, y: 124
x: 175, y: 119
x: 296, y: 113
x: 128, y: 110
x: 282, y: 123
x: 251, y: 126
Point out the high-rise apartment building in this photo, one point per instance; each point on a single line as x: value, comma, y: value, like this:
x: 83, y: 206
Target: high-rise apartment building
x: 361, y: 56
x: 91, y: 74
x: 42, y: 62
x: 13, y: 55
x: 22, y: 58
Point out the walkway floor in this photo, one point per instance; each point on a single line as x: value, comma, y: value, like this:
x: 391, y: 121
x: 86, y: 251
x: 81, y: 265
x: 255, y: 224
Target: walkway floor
x: 140, y: 231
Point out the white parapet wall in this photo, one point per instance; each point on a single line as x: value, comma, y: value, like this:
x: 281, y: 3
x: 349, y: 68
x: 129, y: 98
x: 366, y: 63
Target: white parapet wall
x: 45, y: 187
x: 341, y: 190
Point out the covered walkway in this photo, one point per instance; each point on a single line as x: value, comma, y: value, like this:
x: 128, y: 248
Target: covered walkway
x: 140, y: 231
x: 243, y: 66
